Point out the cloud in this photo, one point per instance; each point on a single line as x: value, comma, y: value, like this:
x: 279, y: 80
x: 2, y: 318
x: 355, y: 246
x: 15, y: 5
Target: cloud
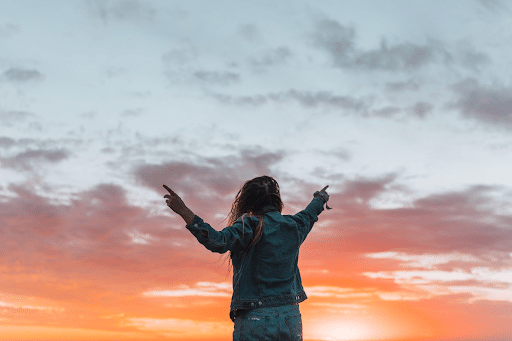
x: 346, y: 104
x: 132, y: 112
x: 465, y: 54
x: 27, y: 331
x: 339, y: 41
x: 102, y: 244
x: 304, y: 98
x: 8, y: 30
x: 180, y: 56
x: 22, y: 75
x: 492, y: 105
x: 182, y: 328
x: 421, y: 109
x: 409, y: 85
x: 27, y: 159
x: 121, y: 10
x: 132, y: 10
x: 59, y: 247
x: 363, y: 189
x: 425, y: 261
x: 249, y: 32
x: 8, y: 118
x: 112, y: 72
x: 310, y: 99
x: 26, y: 306
x: 272, y: 57
x: 209, y: 185
x: 213, y: 176
x: 343, y: 308
x: 340, y: 153
x: 336, y: 39
x: 388, y: 111
x: 427, y: 280
x: 337, y: 292
x: 466, y: 222
x: 100, y: 233
x: 403, y: 56
x: 494, y: 5
x: 215, y: 77
x: 6, y: 142
x: 207, y: 289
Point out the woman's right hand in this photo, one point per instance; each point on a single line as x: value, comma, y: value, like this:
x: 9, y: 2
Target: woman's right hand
x: 323, y: 194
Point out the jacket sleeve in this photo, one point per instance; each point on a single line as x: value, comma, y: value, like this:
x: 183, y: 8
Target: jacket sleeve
x: 307, y: 217
x: 237, y: 235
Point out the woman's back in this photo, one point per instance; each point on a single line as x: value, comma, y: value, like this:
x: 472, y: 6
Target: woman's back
x: 270, y: 267
x: 277, y: 253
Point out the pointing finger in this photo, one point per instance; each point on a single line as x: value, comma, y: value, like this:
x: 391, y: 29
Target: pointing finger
x: 323, y: 189
x: 168, y: 189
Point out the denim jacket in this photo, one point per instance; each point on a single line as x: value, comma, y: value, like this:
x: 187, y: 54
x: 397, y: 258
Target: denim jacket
x: 268, y: 274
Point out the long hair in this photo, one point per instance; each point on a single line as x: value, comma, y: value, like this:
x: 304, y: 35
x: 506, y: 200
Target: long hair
x: 254, y: 195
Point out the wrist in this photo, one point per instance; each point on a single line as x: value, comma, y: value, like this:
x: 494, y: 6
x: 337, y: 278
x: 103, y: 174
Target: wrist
x: 324, y: 196
x: 187, y: 215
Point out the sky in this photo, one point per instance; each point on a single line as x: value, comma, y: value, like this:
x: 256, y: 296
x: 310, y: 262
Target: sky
x: 404, y: 108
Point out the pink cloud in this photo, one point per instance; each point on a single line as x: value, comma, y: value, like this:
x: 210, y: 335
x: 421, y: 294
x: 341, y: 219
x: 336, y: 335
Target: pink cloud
x: 102, y: 245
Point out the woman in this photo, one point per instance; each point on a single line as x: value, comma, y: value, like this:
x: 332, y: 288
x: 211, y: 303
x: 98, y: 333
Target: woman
x: 264, y: 249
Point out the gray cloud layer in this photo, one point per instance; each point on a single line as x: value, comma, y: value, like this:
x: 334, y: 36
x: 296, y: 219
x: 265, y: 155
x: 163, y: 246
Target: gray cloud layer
x: 8, y: 118
x: 121, y: 10
x: 271, y: 57
x: 339, y: 42
x: 494, y: 5
x: 22, y: 75
x: 27, y: 159
x: 305, y: 98
x: 491, y: 105
x: 215, y: 77
x: 346, y: 104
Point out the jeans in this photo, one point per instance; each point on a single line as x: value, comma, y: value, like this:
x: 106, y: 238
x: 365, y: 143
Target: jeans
x: 269, y: 324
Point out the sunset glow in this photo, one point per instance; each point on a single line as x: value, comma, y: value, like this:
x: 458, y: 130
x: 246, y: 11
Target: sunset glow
x: 402, y: 107
x: 343, y: 330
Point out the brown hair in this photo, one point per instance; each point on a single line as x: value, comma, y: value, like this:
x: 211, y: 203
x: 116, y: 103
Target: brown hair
x: 254, y: 195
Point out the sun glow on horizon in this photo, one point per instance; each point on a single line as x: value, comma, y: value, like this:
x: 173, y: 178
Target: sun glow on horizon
x: 368, y: 324
x: 342, y: 329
